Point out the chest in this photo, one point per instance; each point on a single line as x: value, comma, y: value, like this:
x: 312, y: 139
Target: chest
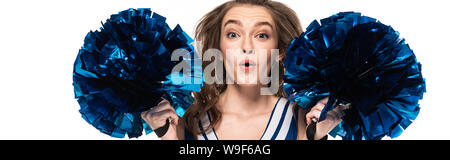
x: 276, y: 125
x: 236, y: 127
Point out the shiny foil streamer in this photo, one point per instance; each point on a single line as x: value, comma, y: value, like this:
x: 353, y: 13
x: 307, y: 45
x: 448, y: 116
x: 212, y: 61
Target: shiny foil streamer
x: 126, y: 68
x: 358, y: 60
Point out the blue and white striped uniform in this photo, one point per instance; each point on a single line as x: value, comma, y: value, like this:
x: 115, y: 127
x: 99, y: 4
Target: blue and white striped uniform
x: 281, y: 126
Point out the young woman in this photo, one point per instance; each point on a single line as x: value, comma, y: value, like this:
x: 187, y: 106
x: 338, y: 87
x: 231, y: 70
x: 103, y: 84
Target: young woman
x: 238, y: 110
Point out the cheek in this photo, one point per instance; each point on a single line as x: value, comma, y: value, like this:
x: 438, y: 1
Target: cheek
x: 266, y: 44
x: 266, y: 49
x: 229, y: 49
x: 229, y: 56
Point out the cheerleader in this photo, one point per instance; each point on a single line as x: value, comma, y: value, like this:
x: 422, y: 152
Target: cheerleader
x: 238, y: 110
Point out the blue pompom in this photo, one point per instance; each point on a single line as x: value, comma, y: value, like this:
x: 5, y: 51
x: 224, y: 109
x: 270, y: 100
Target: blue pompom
x: 126, y: 68
x: 356, y: 59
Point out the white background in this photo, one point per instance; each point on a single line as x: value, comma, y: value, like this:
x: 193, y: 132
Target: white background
x: 39, y: 41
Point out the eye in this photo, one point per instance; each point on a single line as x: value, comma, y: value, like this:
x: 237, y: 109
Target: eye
x: 262, y: 35
x: 232, y: 35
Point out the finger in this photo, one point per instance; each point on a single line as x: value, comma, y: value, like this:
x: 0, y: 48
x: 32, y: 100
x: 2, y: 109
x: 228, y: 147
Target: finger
x: 340, y: 109
x: 163, y: 101
x: 344, y: 107
x: 318, y: 106
x: 336, y: 113
x: 163, y: 115
x: 158, y: 121
x: 163, y: 105
x: 175, y: 120
x: 159, y: 118
x: 324, y: 101
x: 312, y: 114
x: 145, y: 115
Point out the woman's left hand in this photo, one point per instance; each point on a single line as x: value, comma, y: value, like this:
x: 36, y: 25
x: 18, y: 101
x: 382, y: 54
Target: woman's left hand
x: 334, y: 117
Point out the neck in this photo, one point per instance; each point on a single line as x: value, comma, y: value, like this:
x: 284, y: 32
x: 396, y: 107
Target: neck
x: 243, y: 99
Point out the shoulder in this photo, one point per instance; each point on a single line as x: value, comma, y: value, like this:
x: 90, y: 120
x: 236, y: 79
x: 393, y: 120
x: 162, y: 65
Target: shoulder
x: 298, y: 114
x: 285, y: 103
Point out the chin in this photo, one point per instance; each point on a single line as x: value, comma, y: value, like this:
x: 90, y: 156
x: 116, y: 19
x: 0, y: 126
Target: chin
x: 247, y: 85
x: 247, y: 79
x: 247, y: 82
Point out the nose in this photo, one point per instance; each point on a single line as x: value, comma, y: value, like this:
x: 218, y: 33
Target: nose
x: 249, y: 51
x: 247, y: 46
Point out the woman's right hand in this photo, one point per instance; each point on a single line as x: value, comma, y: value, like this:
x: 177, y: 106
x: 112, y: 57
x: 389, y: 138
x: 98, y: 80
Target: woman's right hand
x: 156, y: 117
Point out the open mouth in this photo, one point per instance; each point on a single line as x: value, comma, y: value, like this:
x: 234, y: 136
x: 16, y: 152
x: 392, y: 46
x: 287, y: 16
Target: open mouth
x: 247, y: 65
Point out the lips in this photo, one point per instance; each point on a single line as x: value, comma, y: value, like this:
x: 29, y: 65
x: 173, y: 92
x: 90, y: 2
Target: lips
x: 247, y: 65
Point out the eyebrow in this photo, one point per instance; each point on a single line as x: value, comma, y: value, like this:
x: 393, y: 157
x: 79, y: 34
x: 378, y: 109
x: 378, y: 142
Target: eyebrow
x: 263, y: 24
x: 232, y: 21
x: 237, y: 22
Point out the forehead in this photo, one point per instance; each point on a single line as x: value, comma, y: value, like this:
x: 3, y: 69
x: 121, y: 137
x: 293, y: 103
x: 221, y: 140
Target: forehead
x: 248, y: 14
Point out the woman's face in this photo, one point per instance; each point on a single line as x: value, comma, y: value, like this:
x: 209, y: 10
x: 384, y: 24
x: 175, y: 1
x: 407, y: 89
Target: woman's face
x: 247, y: 37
